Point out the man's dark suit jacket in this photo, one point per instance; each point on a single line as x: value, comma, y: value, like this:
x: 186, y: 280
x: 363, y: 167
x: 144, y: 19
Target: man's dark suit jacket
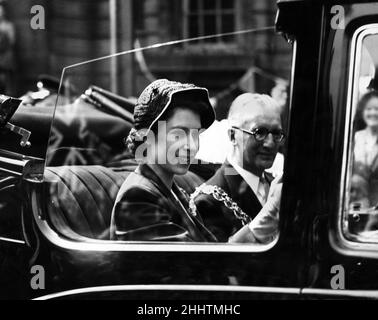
x: 145, y: 209
x: 220, y: 220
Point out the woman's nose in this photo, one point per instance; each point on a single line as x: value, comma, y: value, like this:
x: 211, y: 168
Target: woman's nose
x: 191, y: 144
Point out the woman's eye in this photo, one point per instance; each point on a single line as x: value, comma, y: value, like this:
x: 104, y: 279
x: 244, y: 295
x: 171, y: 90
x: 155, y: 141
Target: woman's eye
x: 176, y: 135
x: 195, y: 134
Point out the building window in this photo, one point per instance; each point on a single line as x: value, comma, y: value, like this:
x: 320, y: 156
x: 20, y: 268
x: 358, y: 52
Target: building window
x: 209, y: 17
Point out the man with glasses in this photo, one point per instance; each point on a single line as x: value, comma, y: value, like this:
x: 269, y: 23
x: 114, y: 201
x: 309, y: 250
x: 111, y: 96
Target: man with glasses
x: 240, y: 202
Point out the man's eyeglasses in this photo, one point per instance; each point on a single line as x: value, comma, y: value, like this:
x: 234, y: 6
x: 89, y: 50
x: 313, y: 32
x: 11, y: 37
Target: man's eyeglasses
x: 260, y: 134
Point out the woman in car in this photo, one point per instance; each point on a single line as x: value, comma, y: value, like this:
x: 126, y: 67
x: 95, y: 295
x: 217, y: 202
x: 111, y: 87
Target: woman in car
x: 168, y: 117
x: 366, y: 143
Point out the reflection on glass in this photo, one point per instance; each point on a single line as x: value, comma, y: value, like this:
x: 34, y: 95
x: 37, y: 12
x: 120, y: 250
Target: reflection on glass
x: 211, y: 17
x: 87, y: 162
x: 363, y: 185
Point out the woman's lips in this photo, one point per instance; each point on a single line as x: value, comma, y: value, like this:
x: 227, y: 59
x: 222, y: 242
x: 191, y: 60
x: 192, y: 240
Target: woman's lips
x: 185, y: 159
x: 371, y: 120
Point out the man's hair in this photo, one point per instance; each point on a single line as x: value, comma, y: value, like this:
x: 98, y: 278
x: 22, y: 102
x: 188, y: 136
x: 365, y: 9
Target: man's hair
x: 241, y: 107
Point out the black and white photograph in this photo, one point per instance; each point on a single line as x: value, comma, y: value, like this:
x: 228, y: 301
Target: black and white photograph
x: 189, y: 156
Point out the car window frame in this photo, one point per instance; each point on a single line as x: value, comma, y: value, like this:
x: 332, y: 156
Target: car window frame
x: 116, y: 245
x: 137, y: 246
x: 341, y: 241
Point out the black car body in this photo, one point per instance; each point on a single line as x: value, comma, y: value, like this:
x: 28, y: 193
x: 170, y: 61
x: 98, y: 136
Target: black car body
x: 299, y: 264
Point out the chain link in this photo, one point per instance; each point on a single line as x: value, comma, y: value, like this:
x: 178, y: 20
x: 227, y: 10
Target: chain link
x: 220, y: 195
x: 192, y: 210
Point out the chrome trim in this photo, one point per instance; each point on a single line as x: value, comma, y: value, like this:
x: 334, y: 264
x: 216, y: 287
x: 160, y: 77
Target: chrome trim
x: 339, y: 241
x: 173, y: 287
x: 292, y: 75
x: 27, y: 167
x: 12, y: 240
x: 137, y: 246
x: 367, y: 294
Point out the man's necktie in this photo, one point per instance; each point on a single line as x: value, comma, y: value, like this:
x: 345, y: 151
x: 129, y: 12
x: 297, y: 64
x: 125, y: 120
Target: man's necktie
x: 262, y: 190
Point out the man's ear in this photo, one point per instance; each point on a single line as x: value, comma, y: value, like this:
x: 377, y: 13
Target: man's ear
x: 231, y: 135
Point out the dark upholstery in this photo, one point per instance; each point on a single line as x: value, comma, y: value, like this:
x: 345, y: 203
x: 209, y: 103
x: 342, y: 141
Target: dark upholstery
x: 80, y: 198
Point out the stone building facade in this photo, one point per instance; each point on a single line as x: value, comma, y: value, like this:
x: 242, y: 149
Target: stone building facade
x: 80, y: 30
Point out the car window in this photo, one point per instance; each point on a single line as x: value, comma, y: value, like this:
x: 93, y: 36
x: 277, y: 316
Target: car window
x: 361, y: 201
x: 87, y: 160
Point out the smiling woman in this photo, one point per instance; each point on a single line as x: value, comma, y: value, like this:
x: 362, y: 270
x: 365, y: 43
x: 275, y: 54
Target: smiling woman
x: 366, y: 146
x: 149, y: 205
